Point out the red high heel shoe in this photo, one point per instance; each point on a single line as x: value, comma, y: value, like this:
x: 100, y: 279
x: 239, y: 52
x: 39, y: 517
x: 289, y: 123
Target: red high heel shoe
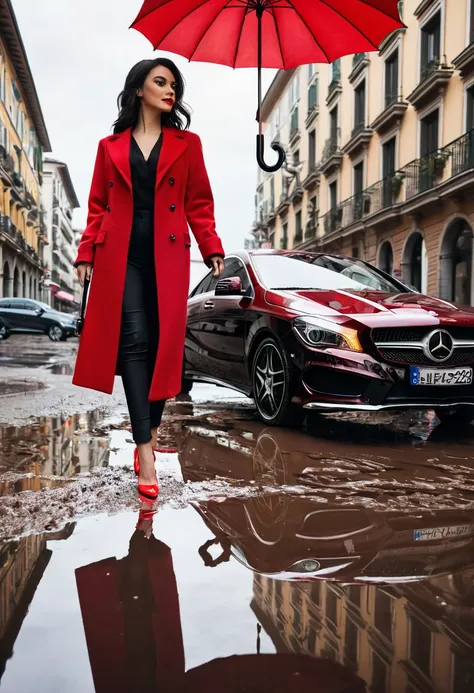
x: 148, y: 491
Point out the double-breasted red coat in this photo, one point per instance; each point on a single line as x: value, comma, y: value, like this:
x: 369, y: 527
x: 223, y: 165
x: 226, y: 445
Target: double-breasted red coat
x: 183, y: 197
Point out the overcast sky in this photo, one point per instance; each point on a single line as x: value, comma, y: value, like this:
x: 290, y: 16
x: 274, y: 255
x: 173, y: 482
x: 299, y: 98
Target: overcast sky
x: 80, y: 52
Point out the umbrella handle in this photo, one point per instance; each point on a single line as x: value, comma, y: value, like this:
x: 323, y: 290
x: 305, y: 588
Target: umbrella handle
x: 277, y: 148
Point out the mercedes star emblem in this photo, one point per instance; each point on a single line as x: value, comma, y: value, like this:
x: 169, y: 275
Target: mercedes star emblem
x: 439, y: 346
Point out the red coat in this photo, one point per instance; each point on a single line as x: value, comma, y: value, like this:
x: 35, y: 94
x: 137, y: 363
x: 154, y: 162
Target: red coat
x: 182, y: 196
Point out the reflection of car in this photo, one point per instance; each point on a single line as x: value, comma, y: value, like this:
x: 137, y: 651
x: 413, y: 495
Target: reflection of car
x: 27, y: 315
x: 299, y: 330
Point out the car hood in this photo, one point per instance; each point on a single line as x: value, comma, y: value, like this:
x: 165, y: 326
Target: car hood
x: 64, y: 317
x: 372, y: 308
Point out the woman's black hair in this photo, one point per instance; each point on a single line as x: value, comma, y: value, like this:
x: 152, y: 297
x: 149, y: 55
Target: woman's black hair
x: 129, y: 103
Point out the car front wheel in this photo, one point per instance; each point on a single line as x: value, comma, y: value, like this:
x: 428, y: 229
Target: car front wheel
x: 4, y: 331
x: 56, y: 333
x: 458, y: 415
x: 271, y: 386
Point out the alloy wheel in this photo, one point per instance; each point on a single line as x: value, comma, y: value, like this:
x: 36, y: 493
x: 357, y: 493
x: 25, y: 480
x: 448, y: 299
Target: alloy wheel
x: 269, y: 381
x: 55, y: 333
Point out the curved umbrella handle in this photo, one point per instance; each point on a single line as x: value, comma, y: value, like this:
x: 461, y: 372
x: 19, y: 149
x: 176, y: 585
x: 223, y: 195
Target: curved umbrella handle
x: 276, y: 148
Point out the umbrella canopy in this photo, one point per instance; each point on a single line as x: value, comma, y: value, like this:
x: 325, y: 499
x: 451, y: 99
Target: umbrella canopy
x: 267, y: 33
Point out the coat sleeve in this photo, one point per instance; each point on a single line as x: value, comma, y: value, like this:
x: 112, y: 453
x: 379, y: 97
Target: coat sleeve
x: 199, y: 204
x: 97, y: 208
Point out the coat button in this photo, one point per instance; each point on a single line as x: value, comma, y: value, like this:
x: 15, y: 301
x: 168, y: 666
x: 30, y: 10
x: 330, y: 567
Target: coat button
x: 111, y: 184
x: 108, y: 208
x: 172, y: 237
x: 171, y: 180
x: 172, y: 208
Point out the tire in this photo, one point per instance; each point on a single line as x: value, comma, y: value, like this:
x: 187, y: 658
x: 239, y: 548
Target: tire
x: 4, y: 331
x: 458, y: 415
x: 271, y: 380
x: 186, y: 385
x: 56, y: 333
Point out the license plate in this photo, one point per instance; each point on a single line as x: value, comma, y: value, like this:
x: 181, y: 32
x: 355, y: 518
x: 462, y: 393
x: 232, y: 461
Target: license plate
x: 437, y: 533
x: 440, y: 376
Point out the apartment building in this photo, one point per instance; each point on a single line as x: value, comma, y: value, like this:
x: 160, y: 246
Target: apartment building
x: 60, y: 201
x: 23, y: 137
x: 414, y: 637
x: 380, y: 151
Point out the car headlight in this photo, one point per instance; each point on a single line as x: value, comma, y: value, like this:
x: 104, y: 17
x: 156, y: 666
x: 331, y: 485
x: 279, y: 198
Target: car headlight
x: 317, y: 332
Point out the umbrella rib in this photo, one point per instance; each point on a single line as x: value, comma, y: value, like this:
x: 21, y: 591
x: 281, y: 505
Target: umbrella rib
x: 272, y: 9
x: 208, y: 28
x: 240, y: 34
x: 310, y: 31
x: 177, y: 23
x: 377, y: 9
x: 323, y: 2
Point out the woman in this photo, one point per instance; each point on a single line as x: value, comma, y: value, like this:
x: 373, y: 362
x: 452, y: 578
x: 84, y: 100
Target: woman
x: 149, y: 183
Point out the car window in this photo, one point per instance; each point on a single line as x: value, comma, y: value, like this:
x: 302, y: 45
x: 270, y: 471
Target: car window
x: 233, y: 268
x: 18, y: 305
x: 30, y: 305
x: 4, y: 303
x: 202, y: 286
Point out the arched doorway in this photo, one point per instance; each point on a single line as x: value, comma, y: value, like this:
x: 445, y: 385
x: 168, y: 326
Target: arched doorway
x: 414, y: 264
x: 6, y: 279
x: 386, y: 257
x: 16, y: 283
x: 455, y: 277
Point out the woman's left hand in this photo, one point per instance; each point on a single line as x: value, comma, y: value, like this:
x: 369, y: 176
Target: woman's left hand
x: 217, y: 265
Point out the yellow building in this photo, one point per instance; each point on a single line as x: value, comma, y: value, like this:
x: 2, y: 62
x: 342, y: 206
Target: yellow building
x: 416, y: 637
x: 23, y: 137
x: 381, y: 153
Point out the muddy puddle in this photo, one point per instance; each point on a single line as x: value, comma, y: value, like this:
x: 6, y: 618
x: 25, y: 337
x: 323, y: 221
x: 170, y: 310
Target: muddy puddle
x: 338, y: 557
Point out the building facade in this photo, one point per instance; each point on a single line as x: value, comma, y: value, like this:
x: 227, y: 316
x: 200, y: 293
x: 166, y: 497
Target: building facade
x: 60, y: 200
x: 380, y: 150
x: 23, y: 137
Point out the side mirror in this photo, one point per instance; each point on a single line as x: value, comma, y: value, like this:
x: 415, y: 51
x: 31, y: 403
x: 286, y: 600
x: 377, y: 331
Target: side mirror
x: 229, y: 287
x: 39, y: 311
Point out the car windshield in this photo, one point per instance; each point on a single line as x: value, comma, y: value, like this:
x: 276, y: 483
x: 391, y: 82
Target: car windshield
x: 321, y: 273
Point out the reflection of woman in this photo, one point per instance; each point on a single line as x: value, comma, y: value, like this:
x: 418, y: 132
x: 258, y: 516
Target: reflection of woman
x: 149, y: 183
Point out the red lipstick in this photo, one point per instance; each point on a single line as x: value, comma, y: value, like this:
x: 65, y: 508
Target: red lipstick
x: 170, y: 102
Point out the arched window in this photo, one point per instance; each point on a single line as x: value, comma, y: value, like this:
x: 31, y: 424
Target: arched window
x: 6, y: 279
x: 386, y: 257
x: 455, y: 279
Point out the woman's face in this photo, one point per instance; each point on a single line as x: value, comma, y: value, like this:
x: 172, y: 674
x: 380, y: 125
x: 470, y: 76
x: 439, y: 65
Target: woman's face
x: 159, y: 90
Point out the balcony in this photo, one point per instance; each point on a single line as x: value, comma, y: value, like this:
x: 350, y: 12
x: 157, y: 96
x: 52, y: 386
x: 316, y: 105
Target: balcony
x: 313, y: 104
x: 313, y: 178
x: 332, y: 155
x: 284, y: 205
x: 360, y: 138
x: 359, y: 63
x: 433, y: 82
x: 443, y: 174
x: 334, y: 90
x: 464, y: 62
x: 392, y: 114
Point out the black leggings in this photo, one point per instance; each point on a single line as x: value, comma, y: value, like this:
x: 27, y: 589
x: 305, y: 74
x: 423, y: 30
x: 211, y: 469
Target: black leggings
x: 139, y: 334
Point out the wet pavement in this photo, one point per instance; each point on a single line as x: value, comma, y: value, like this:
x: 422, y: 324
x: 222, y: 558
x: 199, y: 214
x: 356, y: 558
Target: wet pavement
x: 338, y: 557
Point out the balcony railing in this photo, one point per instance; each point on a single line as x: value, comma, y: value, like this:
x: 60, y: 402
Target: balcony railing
x: 358, y: 58
x: 416, y: 178
x: 331, y: 146
x: 428, y: 68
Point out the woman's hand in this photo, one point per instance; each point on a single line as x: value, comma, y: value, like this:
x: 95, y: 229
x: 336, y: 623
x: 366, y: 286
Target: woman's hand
x: 83, y: 272
x: 217, y: 265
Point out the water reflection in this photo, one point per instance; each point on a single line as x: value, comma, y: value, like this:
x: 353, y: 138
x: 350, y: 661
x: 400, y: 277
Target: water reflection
x: 51, y: 446
x: 22, y: 565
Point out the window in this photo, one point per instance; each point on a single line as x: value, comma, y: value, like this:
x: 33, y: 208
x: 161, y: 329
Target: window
x: 284, y: 238
x: 351, y: 642
x: 333, y: 195
x: 299, y: 227
x: 470, y: 107
x: 430, y: 45
x: 201, y: 288
x: 383, y: 603
x: 272, y: 193
x: 359, y: 106
x: 471, y: 27
x: 233, y: 268
x: 388, y: 157
x: 379, y: 675
x: 3, y: 82
x: 420, y: 646
x: 311, y: 71
x: 312, y: 88
x: 333, y: 129
x: 359, y: 178
x: 335, y: 72
x: 312, y: 150
x: 429, y: 129
x: 275, y: 125
x: 294, y: 92
x: 391, y: 79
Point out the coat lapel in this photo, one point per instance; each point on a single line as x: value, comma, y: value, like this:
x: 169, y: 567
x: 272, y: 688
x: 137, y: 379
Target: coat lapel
x: 172, y: 146
x: 119, y: 152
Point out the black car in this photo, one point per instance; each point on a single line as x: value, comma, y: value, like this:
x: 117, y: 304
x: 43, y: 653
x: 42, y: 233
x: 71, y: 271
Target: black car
x: 27, y: 315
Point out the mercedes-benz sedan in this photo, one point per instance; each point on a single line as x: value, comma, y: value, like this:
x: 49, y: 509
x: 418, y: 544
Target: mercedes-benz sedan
x: 298, y: 331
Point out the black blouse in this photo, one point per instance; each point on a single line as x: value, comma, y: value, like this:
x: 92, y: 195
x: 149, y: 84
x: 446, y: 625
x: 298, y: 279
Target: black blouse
x: 143, y: 174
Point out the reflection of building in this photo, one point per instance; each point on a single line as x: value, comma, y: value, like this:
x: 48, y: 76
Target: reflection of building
x: 22, y: 564
x: 60, y: 200
x: 415, y: 637
x: 56, y: 446
x: 386, y: 145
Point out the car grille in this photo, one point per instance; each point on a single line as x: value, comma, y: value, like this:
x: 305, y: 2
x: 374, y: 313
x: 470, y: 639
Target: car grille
x: 415, y: 334
x: 416, y: 357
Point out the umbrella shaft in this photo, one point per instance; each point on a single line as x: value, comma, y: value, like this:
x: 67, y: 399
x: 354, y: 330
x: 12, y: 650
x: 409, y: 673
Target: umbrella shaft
x: 259, y: 72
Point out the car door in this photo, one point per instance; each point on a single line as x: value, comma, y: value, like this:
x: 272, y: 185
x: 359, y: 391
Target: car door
x: 192, y: 346
x: 33, y: 321
x: 222, y: 329
x: 15, y: 313
x: 5, y: 311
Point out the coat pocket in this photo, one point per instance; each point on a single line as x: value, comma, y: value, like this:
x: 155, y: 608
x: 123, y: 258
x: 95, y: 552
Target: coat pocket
x: 100, y: 238
x: 187, y: 240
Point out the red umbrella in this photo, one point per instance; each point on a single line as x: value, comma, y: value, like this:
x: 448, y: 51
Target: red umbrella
x: 267, y: 33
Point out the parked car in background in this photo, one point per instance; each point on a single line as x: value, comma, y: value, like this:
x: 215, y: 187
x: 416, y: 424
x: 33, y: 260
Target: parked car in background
x: 28, y: 315
x: 298, y: 330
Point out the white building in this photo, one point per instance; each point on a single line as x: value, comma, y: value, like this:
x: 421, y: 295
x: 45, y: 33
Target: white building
x: 60, y: 286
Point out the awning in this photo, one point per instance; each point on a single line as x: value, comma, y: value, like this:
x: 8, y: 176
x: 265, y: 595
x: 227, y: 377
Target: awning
x: 63, y: 295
